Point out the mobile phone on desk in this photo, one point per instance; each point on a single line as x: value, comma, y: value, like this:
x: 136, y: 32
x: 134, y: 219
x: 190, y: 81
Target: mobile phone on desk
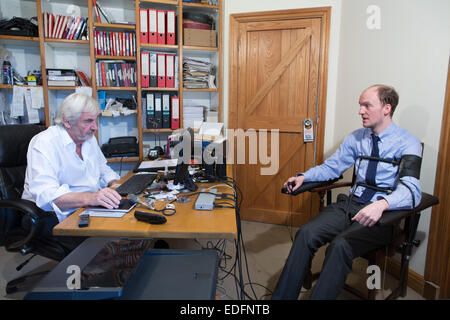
x: 83, y: 221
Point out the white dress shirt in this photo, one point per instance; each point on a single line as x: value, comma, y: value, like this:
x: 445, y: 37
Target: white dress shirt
x: 54, y: 169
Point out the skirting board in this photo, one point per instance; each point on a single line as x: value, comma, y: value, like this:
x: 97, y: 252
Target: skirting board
x: 415, y: 280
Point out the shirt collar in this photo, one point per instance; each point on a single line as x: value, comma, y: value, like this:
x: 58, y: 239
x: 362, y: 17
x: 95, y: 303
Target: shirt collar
x: 386, y: 132
x: 65, y: 138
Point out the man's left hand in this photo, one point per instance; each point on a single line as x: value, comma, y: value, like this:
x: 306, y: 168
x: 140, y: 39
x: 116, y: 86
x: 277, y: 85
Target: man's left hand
x: 370, y: 214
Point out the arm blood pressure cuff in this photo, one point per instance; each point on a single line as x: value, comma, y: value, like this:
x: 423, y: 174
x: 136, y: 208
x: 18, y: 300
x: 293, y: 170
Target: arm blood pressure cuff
x: 410, y: 166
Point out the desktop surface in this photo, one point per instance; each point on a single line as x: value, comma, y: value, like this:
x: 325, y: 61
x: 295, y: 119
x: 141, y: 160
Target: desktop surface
x: 186, y: 223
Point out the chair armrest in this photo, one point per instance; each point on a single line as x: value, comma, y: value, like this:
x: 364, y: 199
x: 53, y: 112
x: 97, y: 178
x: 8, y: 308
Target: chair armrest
x: 392, y: 216
x: 332, y: 186
x: 27, y: 208
x: 24, y: 206
x: 309, y: 186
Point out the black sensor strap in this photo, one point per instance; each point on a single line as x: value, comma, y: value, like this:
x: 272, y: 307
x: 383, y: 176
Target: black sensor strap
x: 410, y: 166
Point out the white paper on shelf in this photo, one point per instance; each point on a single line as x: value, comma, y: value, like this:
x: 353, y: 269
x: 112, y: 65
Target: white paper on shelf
x: 126, y: 111
x: 33, y: 114
x: 37, y: 97
x: 17, y: 102
x: 211, y: 128
x: 2, y: 102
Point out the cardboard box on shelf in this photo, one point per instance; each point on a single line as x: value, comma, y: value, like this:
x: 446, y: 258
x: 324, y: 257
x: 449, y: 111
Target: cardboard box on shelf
x: 199, y: 37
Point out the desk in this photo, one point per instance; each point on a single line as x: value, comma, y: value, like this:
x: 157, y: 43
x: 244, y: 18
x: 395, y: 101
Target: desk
x: 186, y: 223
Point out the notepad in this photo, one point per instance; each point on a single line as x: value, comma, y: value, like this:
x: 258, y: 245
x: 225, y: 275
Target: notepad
x: 104, y: 214
x: 124, y: 206
x: 211, y: 128
x: 156, y: 165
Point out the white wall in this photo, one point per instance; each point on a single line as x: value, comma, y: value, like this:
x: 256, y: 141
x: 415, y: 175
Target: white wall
x: 409, y: 52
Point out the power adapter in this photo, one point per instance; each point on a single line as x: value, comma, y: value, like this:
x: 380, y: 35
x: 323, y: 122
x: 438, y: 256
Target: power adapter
x: 206, y: 199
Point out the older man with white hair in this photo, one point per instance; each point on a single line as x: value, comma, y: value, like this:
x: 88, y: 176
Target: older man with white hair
x: 66, y: 168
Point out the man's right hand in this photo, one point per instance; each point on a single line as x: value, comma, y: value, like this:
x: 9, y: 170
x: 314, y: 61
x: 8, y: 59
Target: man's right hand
x: 293, y: 183
x: 107, y: 198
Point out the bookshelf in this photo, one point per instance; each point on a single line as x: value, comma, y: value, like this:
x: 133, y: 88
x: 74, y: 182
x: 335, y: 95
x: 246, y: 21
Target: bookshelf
x: 214, y: 53
x: 81, y: 54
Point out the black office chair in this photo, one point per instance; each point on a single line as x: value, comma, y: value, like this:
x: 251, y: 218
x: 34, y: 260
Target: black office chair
x: 405, y: 224
x: 20, y: 220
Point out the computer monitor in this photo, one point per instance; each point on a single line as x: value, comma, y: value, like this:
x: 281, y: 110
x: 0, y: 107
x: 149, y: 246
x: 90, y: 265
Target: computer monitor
x: 214, y: 160
x: 182, y: 175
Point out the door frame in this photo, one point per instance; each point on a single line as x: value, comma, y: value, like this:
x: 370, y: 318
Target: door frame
x: 437, y: 265
x: 324, y: 13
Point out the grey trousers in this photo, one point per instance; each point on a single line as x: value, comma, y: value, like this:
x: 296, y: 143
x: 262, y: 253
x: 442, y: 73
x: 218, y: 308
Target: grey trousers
x: 348, y: 240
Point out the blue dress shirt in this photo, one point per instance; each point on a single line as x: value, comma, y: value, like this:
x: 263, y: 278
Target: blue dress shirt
x: 394, y: 143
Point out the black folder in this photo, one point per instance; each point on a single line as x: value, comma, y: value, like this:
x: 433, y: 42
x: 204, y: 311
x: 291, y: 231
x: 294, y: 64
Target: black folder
x: 158, y: 110
x: 166, y: 120
x: 150, y: 111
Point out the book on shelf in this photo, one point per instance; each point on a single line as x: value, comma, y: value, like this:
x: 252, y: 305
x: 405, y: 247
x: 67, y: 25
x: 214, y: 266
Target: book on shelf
x: 62, y: 83
x: 60, y: 72
x: 101, y: 97
x: 83, y: 79
x: 77, y: 29
x: 83, y: 32
x: 60, y: 78
x: 61, y: 27
x: 73, y: 26
x: 111, y: 43
x: 96, y: 11
x: 50, y: 24
x: 57, y: 22
x: 64, y: 27
x: 115, y: 73
x: 102, y: 11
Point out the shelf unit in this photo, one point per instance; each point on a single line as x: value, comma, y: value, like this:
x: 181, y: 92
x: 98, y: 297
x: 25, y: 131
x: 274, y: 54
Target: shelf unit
x: 45, y: 45
x: 179, y: 49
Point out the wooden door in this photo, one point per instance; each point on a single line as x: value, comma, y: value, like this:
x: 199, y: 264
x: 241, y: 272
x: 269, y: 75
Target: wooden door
x: 437, y: 268
x: 277, y: 80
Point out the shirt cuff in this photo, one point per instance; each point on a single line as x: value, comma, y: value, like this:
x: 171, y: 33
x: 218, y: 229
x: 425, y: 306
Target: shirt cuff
x: 61, y: 215
x: 305, y: 175
x: 393, y: 202
x: 108, y: 178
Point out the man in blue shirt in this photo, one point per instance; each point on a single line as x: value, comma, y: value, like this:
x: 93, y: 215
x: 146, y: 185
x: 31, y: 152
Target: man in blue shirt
x: 349, y: 225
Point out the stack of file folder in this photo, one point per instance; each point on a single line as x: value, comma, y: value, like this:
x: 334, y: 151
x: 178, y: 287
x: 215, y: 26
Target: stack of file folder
x: 193, y: 116
x: 61, y: 77
x: 197, y: 74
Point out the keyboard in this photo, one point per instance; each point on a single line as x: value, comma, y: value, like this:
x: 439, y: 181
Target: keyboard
x: 136, y: 184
